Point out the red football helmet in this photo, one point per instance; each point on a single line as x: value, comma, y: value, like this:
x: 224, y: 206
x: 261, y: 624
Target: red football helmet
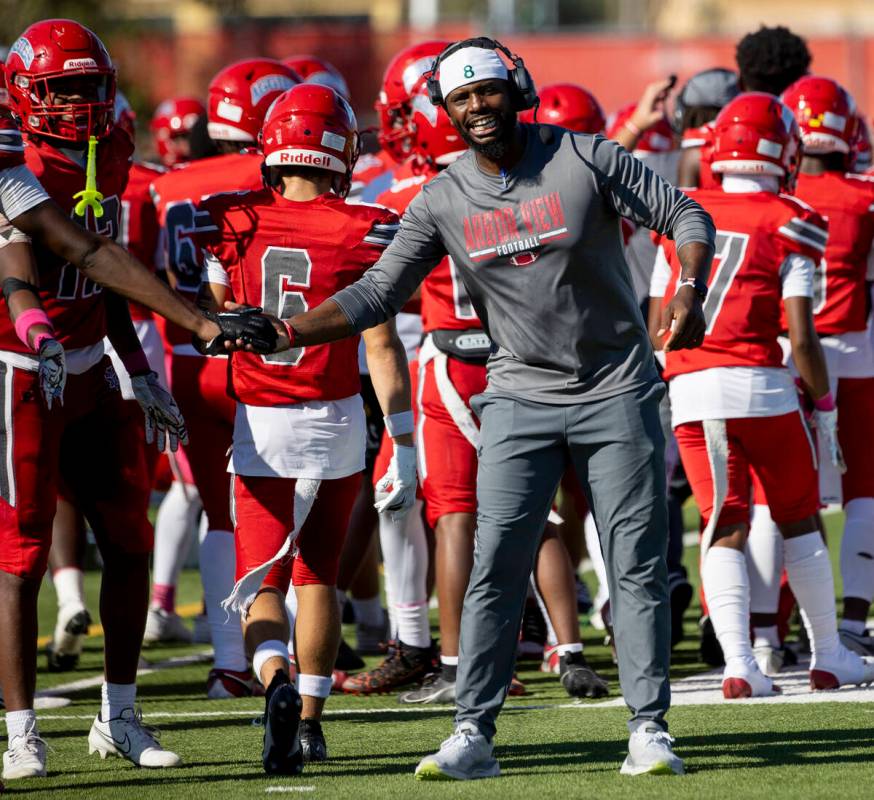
x: 240, y: 95
x: 173, y: 118
x: 312, y: 126
x: 861, y: 149
x: 316, y: 70
x: 402, y: 75
x: 568, y: 106
x: 49, y: 69
x: 825, y: 112
x: 125, y: 116
x: 755, y: 134
x: 657, y: 139
x: 4, y: 92
x: 436, y: 142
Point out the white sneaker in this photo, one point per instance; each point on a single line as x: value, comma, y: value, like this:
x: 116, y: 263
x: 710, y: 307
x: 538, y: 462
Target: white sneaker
x: 861, y: 643
x: 202, y: 633
x: 743, y: 679
x: 840, y: 668
x: 127, y: 736
x: 71, y: 630
x: 26, y: 757
x: 165, y: 626
x: 770, y: 659
x: 650, y: 752
x: 465, y: 755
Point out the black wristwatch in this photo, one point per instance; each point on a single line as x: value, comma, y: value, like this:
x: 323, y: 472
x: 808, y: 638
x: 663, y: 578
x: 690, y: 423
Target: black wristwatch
x: 697, y: 284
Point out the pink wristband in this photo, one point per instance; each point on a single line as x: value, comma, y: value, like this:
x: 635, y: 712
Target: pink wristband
x: 136, y: 362
x: 40, y: 338
x: 635, y: 131
x: 27, y: 319
x: 825, y: 403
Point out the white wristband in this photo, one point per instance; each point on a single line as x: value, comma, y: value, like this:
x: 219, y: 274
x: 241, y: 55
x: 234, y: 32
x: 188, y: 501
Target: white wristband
x: 399, y: 424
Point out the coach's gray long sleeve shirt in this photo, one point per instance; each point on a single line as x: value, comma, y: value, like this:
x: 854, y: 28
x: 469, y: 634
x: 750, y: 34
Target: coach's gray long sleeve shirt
x: 540, y: 252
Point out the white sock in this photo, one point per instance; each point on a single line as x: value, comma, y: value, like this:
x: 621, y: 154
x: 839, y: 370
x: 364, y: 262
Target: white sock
x: 810, y: 577
x: 405, y: 557
x: 69, y: 586
x: 115, y: 698
x: 291, y: 611
x: 764, y: 553
x: 217, y: 561
x: 564, y: 649
x: 551, y: 636
x: 369, y: 611
x: 766, y: 636
x: 727, y: 589
x: 593, y: 545
x: 314, y: 685
x: 272, y: 648
x: 857, y: 549
x: 175, y: 526
x: 18, y: 723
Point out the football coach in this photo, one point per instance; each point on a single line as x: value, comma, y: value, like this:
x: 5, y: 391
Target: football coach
x: 531, y: 217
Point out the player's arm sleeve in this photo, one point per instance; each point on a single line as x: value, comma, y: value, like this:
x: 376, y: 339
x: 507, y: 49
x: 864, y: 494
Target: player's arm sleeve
x: 383, y: 290
x: 636, y: 192
x: 20, y: 191
x: 806, y: 232
x: 796, y: 276
x: 213, y: 271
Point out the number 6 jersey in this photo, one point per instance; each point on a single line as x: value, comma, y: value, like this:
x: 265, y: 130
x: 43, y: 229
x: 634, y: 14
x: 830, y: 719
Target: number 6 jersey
x: 286, y: 257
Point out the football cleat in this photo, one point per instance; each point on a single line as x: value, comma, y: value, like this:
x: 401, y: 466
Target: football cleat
x: 466, y: 755
x: 403, y: 665
x: 312, y: 741
x: 371, y: 640
x: 165, y: 626
x: 222, y: 684
x: 128, y: 737
x: 71, y: 631
x: 516, y: 687
x: 532, y: 637
x: 840, y: 668
x: 26, y: 756
x: 202, y: 633
x: 860, y: 643
x: 579, y: 679
x: 770, y: 659
x: 347, y: 659
x: 435, y: 689
x: 282, y: 753
x: 741, y: 680
x: 650, y: 753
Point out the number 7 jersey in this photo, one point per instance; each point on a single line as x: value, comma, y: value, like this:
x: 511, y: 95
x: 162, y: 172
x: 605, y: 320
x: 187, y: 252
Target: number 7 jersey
x: 287, y: 257
x: 757, y: 236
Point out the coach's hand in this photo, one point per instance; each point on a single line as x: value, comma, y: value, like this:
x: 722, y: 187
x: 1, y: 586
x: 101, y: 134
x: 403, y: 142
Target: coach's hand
x: 401, y: 476
x: 162, y: 413
x: 683, y: 321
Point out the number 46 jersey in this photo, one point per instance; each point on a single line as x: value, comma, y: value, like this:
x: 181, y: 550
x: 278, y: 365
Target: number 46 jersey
x: 287, y: 257
x: 766, y: 248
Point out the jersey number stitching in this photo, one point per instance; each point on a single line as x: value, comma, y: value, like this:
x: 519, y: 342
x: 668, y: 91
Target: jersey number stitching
x: 285, y: 271
x: 731, y: 249
x: 68, y: 283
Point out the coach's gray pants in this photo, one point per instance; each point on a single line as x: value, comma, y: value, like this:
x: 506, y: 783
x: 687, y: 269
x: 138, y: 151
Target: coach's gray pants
x: 617, y: 449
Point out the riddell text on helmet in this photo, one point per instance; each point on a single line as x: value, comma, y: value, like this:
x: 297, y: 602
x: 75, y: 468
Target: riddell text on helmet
x: 305, y: 158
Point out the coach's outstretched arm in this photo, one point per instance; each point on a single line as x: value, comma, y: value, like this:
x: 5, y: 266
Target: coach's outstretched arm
x: 111, y: 266
x: 381, y: 292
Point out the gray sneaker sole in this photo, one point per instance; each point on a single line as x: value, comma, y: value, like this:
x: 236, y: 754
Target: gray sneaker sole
x: 421, y: 697
x: 430, y: 770
x: 656, y: 768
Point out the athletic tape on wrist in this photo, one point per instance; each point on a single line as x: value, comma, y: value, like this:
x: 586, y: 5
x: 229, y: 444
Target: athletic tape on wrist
x: 825, y: 403
x: 399, y: 424
x: 314, y: 685
x: 27, y: 319
x: 135, y: 363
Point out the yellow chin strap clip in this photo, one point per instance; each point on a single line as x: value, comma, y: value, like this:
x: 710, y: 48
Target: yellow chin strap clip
x: 89, y: 196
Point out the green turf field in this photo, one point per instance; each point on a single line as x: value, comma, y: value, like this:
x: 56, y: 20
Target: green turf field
x: 547, y: 746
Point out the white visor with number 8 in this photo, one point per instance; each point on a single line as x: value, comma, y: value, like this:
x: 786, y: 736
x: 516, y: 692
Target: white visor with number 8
x: 469, y: 65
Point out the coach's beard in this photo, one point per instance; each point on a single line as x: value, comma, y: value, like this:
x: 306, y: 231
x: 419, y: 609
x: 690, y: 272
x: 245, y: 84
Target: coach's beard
x: 496, y: 148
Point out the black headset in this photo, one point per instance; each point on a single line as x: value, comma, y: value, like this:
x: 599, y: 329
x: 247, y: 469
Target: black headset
x: 524, y: 91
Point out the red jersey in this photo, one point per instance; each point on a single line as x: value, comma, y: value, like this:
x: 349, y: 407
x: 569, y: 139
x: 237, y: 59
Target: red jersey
x: 139, y: 224
x: 445, y: 302
x: 287, y: 257
x: 370, y: 166
x: 846, y: 201
x: 73, y: 302
x: 176, y: 194
x: 701, y: 138
x: 755, y: 233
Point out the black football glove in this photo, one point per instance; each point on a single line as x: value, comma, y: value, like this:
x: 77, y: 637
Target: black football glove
x: 247, y: 324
